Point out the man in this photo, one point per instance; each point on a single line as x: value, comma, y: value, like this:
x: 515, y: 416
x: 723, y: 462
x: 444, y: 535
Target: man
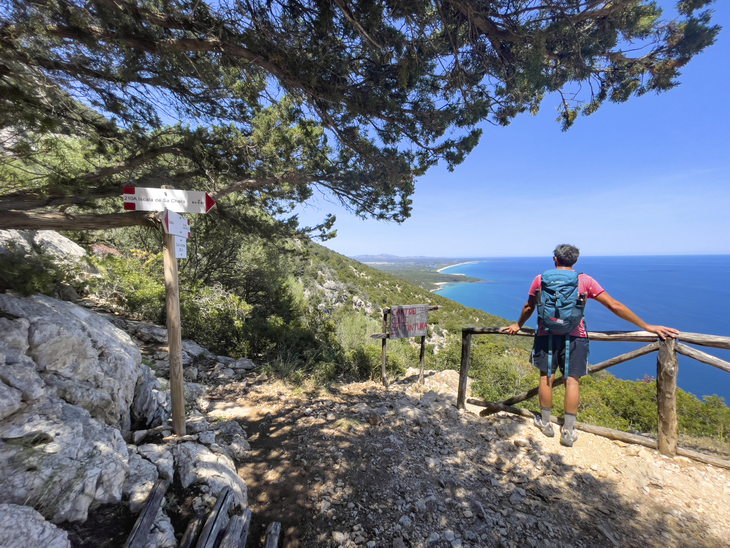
x: 565, y: 256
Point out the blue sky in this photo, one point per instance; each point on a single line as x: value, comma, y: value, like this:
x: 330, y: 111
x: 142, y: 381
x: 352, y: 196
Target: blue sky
x: 647, y: 177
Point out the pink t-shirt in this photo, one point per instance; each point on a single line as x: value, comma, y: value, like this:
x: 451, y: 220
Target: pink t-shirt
x: 586, y: 285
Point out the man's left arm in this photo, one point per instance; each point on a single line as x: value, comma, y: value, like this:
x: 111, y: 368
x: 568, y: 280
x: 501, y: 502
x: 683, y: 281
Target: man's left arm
x: 625, y: 313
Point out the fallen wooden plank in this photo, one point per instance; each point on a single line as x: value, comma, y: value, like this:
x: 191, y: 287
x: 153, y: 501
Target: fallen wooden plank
x: 191, y: 533
x: 232, y: 534
x: 141, y: 530
x: 272, y: 535
x: 246, y: 527
x: 216, y: 520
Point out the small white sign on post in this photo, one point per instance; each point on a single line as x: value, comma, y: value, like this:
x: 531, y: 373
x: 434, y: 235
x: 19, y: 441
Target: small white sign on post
x: 175, y: 224
x: 408, y: 321
x: 180, y: 250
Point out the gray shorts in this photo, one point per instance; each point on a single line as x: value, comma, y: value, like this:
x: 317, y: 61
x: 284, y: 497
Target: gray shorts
x: 578, y: 355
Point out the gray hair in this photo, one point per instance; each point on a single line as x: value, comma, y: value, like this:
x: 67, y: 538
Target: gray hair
x: 567, y: 255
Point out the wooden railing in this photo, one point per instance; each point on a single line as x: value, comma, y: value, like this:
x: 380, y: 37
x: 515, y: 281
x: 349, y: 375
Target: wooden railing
x: 667, y: 368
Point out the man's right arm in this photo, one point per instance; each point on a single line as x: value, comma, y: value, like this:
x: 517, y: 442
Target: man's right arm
x: 527, y: 311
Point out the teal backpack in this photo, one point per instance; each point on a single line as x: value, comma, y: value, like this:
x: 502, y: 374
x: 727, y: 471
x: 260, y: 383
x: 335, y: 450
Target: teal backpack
x: 560, y: 308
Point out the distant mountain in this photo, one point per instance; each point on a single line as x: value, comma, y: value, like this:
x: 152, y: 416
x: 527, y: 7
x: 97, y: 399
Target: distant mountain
x: 395, y: 259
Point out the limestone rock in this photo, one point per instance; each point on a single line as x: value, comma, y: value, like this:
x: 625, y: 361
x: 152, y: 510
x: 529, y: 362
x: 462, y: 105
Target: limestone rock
x: 162, y: 534
x: 160, y: 456
x: 151, y: 405
x: 139, y: 483
x: 23, y: 527
x: 14, y: 339
x: 47, y: 241
x: 81, y: 356
x: 85, y: 463
x: 10, y: 400
x: 197, y: 464
x: 23, y: 377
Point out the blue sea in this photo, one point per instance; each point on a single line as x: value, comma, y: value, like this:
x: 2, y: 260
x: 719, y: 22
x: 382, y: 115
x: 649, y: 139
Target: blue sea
x: 689, y: 293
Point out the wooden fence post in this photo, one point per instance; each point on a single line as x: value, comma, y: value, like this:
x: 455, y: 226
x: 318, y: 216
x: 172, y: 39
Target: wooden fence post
x: 464, y: 371
x: 385, y: 342
x: 667, y: 366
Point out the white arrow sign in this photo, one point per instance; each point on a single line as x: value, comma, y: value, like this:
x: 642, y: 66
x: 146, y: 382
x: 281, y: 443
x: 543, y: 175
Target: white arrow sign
x: 180, y: 251
x: 157, y: 199
x: 175, y: 224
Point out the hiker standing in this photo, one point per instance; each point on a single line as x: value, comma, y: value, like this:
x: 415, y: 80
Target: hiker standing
x: 560, y: 296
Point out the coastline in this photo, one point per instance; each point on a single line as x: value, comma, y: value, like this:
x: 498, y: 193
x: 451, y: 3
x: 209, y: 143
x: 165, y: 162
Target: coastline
x: 457, y: 264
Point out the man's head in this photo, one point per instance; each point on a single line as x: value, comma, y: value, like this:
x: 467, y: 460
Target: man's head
x: 566, y: 255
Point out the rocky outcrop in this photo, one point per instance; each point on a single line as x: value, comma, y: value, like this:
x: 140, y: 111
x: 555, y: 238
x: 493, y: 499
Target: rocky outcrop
x: 72, y: 387
x: 23, y: 527
x: 55, y: 457
x: 33, y: 242
x: 80, y: 356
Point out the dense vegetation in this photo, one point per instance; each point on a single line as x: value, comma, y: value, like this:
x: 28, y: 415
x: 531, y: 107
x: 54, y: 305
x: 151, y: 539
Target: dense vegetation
x: 303, y: 312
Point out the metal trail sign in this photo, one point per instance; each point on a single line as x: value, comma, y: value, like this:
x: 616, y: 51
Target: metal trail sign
x: 157, y: 199
x: 175, y: 224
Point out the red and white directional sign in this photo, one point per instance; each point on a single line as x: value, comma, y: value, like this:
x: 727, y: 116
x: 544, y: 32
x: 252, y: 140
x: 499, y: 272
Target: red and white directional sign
x: 175, y: 224
x: 157, y: 199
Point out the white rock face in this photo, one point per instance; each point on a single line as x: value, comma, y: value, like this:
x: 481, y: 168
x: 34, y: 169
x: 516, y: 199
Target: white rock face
x: 80, y: 356
x: 139, y: 483
x: 198, y: 464
x: 23, y: 527
x: 47, y: 240
x: 58, y: 459
x: 10, y: 400
x: 151, y: 405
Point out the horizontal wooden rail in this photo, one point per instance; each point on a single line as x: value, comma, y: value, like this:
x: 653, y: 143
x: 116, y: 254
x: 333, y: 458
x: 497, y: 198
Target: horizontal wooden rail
x: 666, y: 379
x: 714, y: 341
x: 702, y: 357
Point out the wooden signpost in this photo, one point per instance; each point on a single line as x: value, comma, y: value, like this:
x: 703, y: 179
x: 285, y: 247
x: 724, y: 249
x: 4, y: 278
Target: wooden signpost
x: 405, y: 321
x: 177, y: 231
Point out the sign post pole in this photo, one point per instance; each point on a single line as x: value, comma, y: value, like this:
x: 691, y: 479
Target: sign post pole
x: 385, y: 342
x: 174, y: 333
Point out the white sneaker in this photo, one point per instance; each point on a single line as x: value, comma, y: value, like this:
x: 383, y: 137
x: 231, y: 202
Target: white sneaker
x: 568, y: 438
x: 546, y: 429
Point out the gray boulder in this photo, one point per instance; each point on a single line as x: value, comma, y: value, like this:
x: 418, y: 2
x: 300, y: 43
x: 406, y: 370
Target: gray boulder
x: 160, y: 456
x: 31, y: 242
x: 198, y: 464
x: 23, y: 527
x: 10, y: 400
x: 151, y: 405
x: 82, y: 358
x: 139, y: 483
x: 58, y: 459
x: 22, y: 377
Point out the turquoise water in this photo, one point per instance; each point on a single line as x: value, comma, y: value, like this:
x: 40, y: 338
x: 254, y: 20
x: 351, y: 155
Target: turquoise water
x: 689, y: 293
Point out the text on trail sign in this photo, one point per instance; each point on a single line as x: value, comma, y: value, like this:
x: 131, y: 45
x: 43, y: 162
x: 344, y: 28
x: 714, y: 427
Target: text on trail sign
x: 157, y: 199
x: 408, y: 321
x: 180, y: 249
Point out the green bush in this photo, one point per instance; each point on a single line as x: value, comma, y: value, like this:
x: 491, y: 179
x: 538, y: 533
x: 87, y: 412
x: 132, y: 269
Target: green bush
x: 134, y: 283
x: 39, y: 272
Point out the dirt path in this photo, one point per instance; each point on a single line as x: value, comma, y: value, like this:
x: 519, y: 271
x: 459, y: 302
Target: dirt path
x: 356, y: 465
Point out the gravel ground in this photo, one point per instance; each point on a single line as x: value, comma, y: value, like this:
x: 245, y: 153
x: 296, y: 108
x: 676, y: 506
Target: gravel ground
x: 359, y: 465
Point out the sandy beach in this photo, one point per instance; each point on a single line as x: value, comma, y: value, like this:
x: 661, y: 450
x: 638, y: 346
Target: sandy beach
x: 457, y: 264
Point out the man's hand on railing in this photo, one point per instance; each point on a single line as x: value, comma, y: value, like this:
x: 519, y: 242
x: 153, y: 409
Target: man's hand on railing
x: 512, y: 329
x: 662, y: 331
